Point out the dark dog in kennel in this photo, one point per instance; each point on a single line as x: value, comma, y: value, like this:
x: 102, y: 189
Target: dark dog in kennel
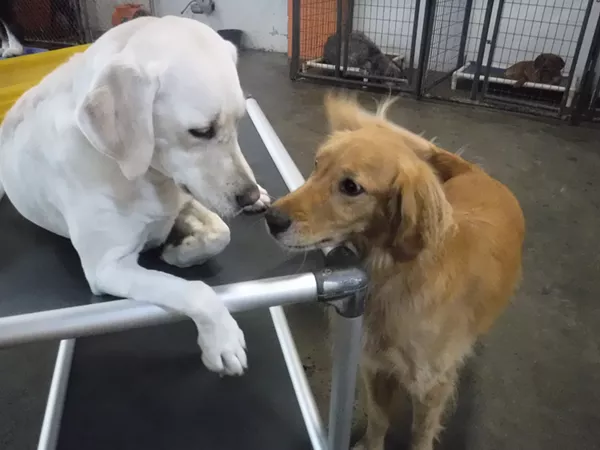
x: 546, y: 68
x: 363, y: 54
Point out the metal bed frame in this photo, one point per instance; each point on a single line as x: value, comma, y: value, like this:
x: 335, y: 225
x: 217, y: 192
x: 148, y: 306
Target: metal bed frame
x: 341, y: 284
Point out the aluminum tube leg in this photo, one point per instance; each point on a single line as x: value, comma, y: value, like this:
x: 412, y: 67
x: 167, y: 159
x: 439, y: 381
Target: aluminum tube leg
x: 56, y: 396
x: 347, y: 337
x: 306, y: 401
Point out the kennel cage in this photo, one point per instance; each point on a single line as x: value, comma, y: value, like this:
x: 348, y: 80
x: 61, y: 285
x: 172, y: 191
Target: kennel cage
x: 446, y: 38
x: 455, y: 50
x: 498, y: 34
x: 62, y: 23
x: 356, y: 43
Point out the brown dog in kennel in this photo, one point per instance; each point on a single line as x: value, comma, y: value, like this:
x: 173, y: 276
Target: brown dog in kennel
x: 546, y: 68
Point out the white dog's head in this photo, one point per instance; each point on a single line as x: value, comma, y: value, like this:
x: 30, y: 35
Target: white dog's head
x: 171, y: 101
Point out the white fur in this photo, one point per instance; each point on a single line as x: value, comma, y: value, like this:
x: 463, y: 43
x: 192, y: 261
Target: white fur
x: 99, y: 150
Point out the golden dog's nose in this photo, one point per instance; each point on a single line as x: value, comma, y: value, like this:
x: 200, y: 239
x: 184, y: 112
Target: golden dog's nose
x: 277, y: 221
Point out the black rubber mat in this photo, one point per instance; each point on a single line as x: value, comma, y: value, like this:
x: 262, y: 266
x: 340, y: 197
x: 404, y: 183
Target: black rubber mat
x: 147, y: 389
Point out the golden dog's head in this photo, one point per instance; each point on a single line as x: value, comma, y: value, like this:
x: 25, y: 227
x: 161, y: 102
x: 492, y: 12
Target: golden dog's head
x: 371, y: 184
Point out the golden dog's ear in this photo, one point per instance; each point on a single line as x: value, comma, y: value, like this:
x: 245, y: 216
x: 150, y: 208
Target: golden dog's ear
x: 344, y: 113
x: 419, y: 213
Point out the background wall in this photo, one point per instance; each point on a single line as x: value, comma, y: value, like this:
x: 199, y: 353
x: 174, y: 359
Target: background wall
x: 99, y: 13
x: 263, y: 21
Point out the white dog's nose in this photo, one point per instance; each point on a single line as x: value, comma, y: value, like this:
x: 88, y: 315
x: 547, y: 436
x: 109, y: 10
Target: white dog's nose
x: 248, y: 197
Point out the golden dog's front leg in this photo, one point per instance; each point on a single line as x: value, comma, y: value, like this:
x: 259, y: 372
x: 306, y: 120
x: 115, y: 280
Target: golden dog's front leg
x: 428, y: 410
x: 380, y: 392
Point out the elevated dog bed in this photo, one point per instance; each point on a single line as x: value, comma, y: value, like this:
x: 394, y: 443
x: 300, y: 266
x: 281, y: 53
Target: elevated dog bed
x: 144, y: 386
x: 354, y: 72
x: 467, y: 72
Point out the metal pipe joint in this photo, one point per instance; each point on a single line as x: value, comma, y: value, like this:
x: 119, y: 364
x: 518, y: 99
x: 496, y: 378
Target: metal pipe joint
x: 343, y: 283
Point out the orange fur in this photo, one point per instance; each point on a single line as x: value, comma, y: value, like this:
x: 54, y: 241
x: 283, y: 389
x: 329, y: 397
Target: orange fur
x: 442, y: 241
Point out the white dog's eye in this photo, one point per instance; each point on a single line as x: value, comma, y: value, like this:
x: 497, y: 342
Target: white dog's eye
x: 203, y: 133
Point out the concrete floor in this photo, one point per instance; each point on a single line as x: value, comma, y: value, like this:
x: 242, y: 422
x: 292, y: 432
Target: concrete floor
x: 534, y: 383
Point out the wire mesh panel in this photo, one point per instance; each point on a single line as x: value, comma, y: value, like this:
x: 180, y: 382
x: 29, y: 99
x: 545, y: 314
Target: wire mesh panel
x: 446, y: 43
x: 392, y: 26
x: 356, y: 42
x: 316, y: 21
x: 534, y: 53
x: 55, y: 22
x: 59, y: 23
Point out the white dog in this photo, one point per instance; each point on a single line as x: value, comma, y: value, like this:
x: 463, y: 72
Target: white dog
x: 130, y: 140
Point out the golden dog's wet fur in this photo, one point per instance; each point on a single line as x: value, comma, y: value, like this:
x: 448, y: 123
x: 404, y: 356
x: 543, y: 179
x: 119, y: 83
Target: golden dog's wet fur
x: 442, y: 241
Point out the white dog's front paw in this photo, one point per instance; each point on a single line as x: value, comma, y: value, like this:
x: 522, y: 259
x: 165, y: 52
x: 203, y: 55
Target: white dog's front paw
x: 192, y: 242
x: 223, y: 346
x: 262, y: 204
x: 194, y: 249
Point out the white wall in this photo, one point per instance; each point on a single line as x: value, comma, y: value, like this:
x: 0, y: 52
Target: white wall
x: 100, y: 13
x: 263, y: 21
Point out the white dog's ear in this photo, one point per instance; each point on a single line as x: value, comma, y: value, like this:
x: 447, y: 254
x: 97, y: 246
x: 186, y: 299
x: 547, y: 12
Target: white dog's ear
x: 232, y: 49
x: 116, y: 116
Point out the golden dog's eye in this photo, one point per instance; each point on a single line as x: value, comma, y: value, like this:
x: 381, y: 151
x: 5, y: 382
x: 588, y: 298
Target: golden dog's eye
x: 350, y: 187
x: 203, y: 133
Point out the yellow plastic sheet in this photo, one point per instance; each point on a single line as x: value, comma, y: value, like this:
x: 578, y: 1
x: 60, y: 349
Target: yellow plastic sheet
x: 19, y: 74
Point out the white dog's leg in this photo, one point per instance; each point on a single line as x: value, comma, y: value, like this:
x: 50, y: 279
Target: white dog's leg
x: 262, y: 204
x: 110, y: 263
x: 198, y: 234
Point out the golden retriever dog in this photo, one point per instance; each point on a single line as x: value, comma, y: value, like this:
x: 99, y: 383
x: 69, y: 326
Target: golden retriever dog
x: 441, y: 239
